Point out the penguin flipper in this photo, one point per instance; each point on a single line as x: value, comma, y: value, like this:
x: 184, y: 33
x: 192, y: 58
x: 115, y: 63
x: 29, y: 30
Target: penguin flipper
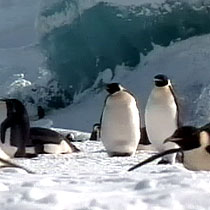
x: 7, y: 123
x: 208, y: 149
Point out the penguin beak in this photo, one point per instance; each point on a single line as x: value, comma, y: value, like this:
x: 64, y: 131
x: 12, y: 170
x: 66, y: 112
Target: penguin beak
x: 157, y: 80
x: 108, y: 89
x: 154, y: 157
x: 175, y: 140
x: 178, y: 141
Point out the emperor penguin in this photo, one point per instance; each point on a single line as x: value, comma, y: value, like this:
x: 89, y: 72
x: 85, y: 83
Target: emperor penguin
x: 194, y: 145
x: 162, y: 115
x: 47, y: 141
x: 120, y: 122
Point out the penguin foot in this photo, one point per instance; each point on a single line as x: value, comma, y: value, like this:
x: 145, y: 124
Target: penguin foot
x: 119, y: 154
x: 164, y: 161
x: 24, y: 155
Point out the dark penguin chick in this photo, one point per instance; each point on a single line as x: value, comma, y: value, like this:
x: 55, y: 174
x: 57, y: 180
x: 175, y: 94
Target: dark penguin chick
x: 95, y: 135
x: 45, y: 140
x: 14, y: 127
x: 194, y: 144
x: 162, y: 115
x: 120, y: 123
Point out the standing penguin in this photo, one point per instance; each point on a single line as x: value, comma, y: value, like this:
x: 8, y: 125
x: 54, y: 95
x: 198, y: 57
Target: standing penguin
x: 162, y: 115
x: 120, y: 123
x: 14, y: 127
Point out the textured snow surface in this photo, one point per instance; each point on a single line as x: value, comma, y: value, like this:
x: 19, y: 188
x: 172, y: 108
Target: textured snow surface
x: 92, y: 180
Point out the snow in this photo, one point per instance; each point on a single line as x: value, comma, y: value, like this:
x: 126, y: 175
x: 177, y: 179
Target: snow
x: 92, y: 180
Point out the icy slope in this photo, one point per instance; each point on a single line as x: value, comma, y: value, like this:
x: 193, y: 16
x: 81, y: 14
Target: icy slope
x: 187, y: 65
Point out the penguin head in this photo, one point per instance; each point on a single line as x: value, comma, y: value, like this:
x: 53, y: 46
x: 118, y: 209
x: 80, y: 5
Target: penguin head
x: 96, y: 127
x: 18, y: 105
x: 161, y: 80
x: 113, y: 88
x: 186, y: 137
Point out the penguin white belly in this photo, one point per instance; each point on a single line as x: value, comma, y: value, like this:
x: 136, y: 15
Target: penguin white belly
x: 120, y: 131
x: 61, y: 148
x: 160, y: 117
x: 197, y: 159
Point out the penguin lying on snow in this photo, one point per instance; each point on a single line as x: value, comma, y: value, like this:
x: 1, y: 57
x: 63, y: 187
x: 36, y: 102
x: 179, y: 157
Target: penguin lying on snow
x: 120, y: 123
x: 19, y: 140
x: 162, y: 115
x: 45, y: 140
x: 194, y: 144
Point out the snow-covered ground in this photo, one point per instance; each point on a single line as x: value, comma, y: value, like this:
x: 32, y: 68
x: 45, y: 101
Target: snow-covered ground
x: 92, y: 180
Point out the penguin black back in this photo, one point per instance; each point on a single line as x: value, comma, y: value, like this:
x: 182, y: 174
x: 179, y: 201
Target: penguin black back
x: 187, y: 137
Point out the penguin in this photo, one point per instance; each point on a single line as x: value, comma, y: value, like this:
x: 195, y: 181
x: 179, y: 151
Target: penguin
x: 15, y: 127
x: 19, y: 140
x: 162, y: 115
x: 95, y: 134
x: 120, y: 122
x: 194, y: 145
x: 47, y: 141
